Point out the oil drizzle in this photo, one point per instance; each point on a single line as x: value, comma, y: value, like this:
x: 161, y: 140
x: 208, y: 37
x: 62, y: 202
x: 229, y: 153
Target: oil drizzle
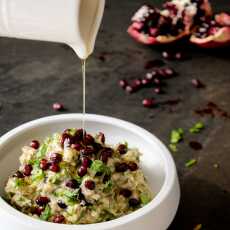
x: 83, y: 65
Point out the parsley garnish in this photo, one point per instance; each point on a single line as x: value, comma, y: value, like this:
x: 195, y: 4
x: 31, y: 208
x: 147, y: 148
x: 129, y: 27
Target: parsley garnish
x: 197, y: 127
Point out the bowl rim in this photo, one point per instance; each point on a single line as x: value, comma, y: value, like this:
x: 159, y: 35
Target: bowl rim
x: 170, y: 173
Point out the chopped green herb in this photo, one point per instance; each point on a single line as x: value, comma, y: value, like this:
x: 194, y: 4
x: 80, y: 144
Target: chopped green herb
x: 173, y: 147
x: 56, y: 178
x: 42, y: 151
x: 190, y: 163
x: 71, y: 196
x: 145, y: 199
x: 108, y: 186
x: 176, y: 136
x: 46, y: 214
x: 99, y: 167
x: 38, y: 175
x: 197, y: 127
x: 19, y: 182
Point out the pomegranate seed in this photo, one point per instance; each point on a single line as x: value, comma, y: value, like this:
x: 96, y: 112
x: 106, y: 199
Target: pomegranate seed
x: 77, y: 147
x: 27, y: 170
x: 54, y: 167
x: 101, y: 137
x: 197, y: 83
x: 58, y: 106
x: 137, y: 83
x: 148, y: 103
x: 58, y: 219
x: 66, y: 139
x: 145, y: 82
x: 88, y: 139
x: 123, y: 83
x: 18, y: 174
x: 158, y: 90
x: 195, y: 145
x: 132, y: 166
x: 87, y: 151
x: 61, y: 204
x: 42, y: 200
x: 168, y: 72
x: 125, y: 192
x: 157, y: 81
x: 133, y: 202
x: 122, y: 149
x: 72, y: 184
x: 121, y: 167
x: 82, y: 171
x: 166, y: 55
x: 129, y: 89
x: 55, y: 157
x: 85, y: 161
x: 90, y: 184
x: 44, y: 164
x: 79, y: 135
x: 34, y: 144
x: 178, y: 55
x: 38, y: 211
x: 105, y: 154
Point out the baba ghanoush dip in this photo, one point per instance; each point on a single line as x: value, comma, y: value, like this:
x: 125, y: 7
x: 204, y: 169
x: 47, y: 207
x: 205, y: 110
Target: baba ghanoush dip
x: 75, y: 178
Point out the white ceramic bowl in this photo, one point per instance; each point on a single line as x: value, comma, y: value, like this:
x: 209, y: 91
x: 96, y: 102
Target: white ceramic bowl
x: 156, y: 162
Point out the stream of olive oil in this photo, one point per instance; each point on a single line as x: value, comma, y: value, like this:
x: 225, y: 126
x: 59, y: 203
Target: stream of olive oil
x: 83, y: 65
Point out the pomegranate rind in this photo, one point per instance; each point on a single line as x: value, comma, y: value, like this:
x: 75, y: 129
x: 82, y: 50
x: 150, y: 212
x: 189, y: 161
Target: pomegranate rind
x: 221, y: 38
x: 147, y: 39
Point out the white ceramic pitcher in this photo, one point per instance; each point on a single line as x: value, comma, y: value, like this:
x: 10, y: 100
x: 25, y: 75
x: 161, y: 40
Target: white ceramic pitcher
x: 74, y: 22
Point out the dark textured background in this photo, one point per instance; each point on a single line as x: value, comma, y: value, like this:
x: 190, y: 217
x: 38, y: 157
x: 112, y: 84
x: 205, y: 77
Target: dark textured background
x: 33, y: 75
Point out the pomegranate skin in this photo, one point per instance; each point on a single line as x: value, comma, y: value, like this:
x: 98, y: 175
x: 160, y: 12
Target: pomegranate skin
x: 220, y: 38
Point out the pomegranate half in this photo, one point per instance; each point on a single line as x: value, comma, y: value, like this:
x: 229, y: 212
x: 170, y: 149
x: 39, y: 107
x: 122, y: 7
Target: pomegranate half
x: 151, y: 25
x: 214, y: 32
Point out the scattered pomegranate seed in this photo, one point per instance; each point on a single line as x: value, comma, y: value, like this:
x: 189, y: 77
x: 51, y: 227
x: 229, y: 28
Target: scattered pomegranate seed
x: 195, y: 145
x: 87, y: 151
x: 34, y: 144
x: 123, y: 83
x: 145, y: 82
x: 125, y: 192
x: 197, y: 83
x: 132, y: 166
x: 66, y: 139
x: 178, y: 55
x: 88, y: 139
x: 133, y: 202
x: 157, y: 81
x: 54, y: 167
x: 121, y: 167
x: 38, y: 211
x: 44, y: 164
x: 158, y: 90
x: 168, y: 72
x: 130, y: 89
x: 85, y: 161
x: 42, y: 200
x: 90, y: 184
x: 148, y: 103
x: 79, y: 135
x: 122, y: 149
x: 82, y: 171
x: 27, y: 170
x: 55, y: 157
x: 72, y: 184
x: 61, y: 204
x: 58, y: 106
x: 105, y: 154
x: 58, y: 219
x: 77, y: 147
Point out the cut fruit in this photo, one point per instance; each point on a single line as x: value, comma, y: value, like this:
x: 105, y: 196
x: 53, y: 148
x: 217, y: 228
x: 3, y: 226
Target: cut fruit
x: 214, y: 32
x: 177, y: 19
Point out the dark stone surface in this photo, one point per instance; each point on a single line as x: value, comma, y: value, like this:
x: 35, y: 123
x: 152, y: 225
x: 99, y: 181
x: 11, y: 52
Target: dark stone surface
x: 33, y: 75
